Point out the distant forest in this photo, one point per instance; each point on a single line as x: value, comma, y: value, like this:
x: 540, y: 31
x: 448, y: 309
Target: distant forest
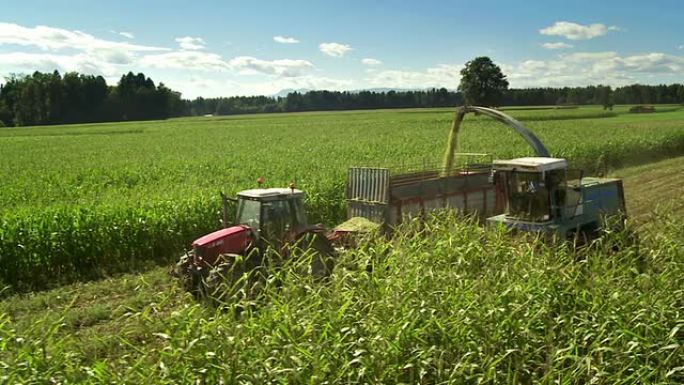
x: 50, y: 98
x: 336, y: 100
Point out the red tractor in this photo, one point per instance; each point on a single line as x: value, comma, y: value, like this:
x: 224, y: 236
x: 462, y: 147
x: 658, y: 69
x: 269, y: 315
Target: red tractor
x: 268, y: 220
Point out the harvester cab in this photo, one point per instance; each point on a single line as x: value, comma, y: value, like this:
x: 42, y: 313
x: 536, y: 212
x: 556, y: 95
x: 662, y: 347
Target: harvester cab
x: 530, y: 185
x: 542, y: 195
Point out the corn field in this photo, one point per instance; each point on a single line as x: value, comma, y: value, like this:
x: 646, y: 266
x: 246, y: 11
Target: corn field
x: 446, y: 302
x: 79, y: 202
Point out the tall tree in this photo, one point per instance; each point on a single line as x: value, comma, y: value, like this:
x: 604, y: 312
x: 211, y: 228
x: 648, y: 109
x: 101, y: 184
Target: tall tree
x: 482, y: 82
x: 604, y: 97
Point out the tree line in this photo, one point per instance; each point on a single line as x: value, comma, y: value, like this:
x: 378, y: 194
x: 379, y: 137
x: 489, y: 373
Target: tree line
x: 344, y: 100
x: 50, y: 98
x: 324, y: 101
x: 602, y: 95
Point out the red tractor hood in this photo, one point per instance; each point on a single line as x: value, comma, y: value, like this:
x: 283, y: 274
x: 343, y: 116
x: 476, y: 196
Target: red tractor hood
x: 233, y: 240
x: 207, y: 240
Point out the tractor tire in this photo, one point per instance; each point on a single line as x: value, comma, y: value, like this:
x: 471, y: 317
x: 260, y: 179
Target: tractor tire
x: 218, y: 281
x: 188, y: 277
x: 228, y: 278
x: 317, y: 247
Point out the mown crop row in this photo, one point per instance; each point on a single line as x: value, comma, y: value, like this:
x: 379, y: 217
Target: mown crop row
x: 77, y: 201
x: 446, y: 302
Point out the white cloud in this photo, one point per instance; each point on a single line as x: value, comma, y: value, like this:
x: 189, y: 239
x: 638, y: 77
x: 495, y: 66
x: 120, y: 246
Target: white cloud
x: 557, y: 45
x: 284, y: 67
x: 334, y: 49
x: 305, y: 82
x: 285, y: 39
x: 113, y: 56
x: 371, y: 62
x: 54, y: 39
x: 23, y: 62
x: 443, y: 75
x: 244, y: 65
x: 215, y: 86
x: 186, y: 60
x: 127, y: 35
x: 190, y: 43
x: 655, y: 62
x: 85, y: 53
x: 584, y: 68
x: 681, y: 46
x: 574, y: 31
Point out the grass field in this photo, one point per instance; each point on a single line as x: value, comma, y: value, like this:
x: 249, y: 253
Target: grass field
x: 80, y: 201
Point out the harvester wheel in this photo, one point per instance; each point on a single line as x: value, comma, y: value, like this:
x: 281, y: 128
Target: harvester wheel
x: 580, y: 238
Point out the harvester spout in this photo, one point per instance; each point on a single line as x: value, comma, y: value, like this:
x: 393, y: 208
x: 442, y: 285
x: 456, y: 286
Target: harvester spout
x: 529, y: 137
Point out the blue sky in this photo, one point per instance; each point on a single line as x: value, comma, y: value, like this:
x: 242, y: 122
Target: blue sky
x: 223, y: 48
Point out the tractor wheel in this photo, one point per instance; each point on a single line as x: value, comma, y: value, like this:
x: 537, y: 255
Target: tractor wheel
x: 222, y: 278
x: 320, y: 250
x: 218, y: 281
x: 188, y: 277
x: 234, y: 278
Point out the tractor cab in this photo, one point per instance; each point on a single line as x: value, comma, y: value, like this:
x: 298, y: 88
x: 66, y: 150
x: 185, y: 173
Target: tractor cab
x: 271, y: 213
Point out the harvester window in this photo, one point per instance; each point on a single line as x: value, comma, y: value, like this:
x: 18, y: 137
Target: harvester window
x: 528, y: 197
x: 566, y: 185
x: 574, y: 178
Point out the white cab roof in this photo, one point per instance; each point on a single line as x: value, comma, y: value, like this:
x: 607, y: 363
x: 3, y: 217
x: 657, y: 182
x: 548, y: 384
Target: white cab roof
x: 531, y: 164
x: 263, y: 193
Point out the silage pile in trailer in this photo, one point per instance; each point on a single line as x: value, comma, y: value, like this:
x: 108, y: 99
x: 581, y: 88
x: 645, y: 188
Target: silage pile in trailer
x: 358, y: 225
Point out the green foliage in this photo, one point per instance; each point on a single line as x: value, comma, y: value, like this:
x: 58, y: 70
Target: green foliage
x: 604, y: 97
x: 49, y: 98
x: 482, y: 82
x: 81, y: 201
x: 336, y: 100
x: 62, y: 244
x: 447, y: 302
